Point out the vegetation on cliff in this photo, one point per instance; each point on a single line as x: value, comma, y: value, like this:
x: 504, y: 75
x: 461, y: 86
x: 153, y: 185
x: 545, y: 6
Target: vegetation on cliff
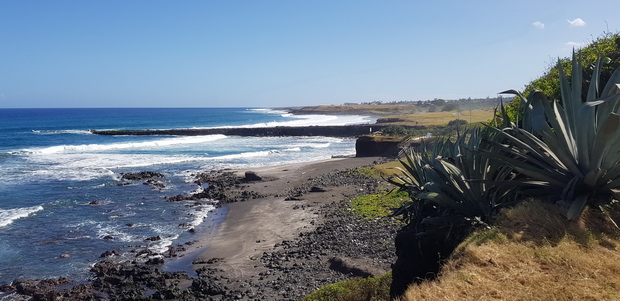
x: 533, y: 253
x: 462, y: 228
x: 606, y: 47
x: 562, y: 152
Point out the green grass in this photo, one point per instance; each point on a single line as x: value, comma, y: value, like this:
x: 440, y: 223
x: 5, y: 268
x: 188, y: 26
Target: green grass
x: 378, y: 205
x: 357, y: 289
x: 485, y: 236
x: 381, y: 170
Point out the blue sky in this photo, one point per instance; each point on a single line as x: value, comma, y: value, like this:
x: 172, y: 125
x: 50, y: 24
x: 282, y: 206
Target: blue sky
x: 281, y: 53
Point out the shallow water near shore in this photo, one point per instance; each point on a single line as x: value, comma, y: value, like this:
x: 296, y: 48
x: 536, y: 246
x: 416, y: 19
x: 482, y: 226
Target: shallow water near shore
x: 63, y: 201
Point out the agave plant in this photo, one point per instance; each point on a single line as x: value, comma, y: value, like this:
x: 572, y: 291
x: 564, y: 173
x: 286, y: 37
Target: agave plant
x: 571, y: 148
x: 456, y: 176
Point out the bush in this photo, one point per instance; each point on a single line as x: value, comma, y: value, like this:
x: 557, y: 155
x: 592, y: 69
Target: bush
x: 395, y: 130
x: 358, y: 289
x: 451, y: 106
x: 457, y: 122
x: 606, y: 46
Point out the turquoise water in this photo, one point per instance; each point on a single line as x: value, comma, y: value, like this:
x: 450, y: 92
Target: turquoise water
x: 51, y: 168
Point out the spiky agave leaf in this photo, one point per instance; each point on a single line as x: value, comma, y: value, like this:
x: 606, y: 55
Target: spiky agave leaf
x: 574, y: 146
x: 457, y: 176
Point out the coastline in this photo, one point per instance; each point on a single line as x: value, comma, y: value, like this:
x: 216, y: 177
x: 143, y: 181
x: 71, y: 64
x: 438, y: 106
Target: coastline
x: 284, y: 245
x: 280, y: 245
x: 272, y: 218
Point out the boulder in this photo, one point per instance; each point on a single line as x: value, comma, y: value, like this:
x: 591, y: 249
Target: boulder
x: 252, y: 176
x: 317, y: 189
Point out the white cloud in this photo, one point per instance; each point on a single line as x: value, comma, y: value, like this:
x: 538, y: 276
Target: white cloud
x: 538, y: 24
x: 578, y: 22
x: 574, y: 44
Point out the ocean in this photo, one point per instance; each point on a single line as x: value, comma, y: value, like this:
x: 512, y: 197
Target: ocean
x: 52, y: 169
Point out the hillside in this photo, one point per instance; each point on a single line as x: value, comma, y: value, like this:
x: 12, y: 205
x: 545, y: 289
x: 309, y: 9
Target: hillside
x: 379, y: 109
x: 526, y: 210
x: 534, y: 253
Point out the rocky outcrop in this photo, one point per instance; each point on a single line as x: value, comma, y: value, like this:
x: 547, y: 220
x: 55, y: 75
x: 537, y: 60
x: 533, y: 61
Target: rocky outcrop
x: 149, y: 178
x: 423, y: 247
x: 251, y: 176
x: 142, y: 175
x: 223, y: 186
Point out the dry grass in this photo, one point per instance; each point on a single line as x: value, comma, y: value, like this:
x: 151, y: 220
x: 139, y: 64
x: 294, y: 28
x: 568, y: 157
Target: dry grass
x: 533, y: 254
x: 388, y: 169
x: 438, y: 118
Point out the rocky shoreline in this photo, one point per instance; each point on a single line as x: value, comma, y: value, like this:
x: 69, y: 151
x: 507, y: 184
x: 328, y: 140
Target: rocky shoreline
x: 336, y: 245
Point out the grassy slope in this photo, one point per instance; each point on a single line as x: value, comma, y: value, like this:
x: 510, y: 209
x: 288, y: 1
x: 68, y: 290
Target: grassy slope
x: 533, y: 254
x: 398, y: 114
x: 437, y: 118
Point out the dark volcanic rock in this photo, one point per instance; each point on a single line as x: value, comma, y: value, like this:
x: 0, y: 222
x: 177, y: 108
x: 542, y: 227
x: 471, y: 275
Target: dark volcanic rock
x: 155, y: 261
x: 252, y: 176
x: 124, y: 281
x: 317, y: 189
x: 222, y: 186
x: 142, y: 175
x: 357, y: 268
x: 50, y: 289
x: 154, y: 238
x: 207, y: 286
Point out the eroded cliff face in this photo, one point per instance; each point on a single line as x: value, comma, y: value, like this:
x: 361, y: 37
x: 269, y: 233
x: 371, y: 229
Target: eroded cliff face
x: 372, y: 146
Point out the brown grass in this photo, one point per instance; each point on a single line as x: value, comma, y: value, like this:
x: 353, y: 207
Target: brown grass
x: 533, y: 254
x: 438, y: 118
x: 388, y: 169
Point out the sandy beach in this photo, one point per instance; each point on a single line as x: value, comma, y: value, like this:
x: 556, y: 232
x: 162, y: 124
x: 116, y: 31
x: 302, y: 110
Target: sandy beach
x: 238, y: 253
x: 253, y: 227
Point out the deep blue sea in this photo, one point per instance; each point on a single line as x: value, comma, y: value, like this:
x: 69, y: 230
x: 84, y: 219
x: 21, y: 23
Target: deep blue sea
x: 52, y: 167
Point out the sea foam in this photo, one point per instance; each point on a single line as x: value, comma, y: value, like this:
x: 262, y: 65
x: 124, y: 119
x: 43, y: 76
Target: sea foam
x: 159, y: 143
x: 7, y: 216
x: 56, y: 132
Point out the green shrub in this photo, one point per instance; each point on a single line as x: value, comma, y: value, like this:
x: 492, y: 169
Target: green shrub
x: 395, y: 130
x: 358, y: 289
x: 606, y: 46
x: 451, y: 106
